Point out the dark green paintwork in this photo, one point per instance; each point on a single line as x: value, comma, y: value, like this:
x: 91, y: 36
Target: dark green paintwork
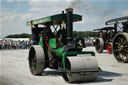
x: 52, y: 43
x: 59, y: 52
x: 41, y: 41
x: 55, y: 18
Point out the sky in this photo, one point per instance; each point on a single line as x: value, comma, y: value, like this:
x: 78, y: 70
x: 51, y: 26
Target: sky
x: 15, y: 13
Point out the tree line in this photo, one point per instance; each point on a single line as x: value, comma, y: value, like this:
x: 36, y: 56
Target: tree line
x: 85, y: 33
x: 23, y: 35
x: 75, y: 33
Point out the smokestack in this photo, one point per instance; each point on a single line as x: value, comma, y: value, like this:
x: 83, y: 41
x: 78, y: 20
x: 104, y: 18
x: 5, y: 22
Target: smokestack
x: 69, y: 24
x: 62, y: 12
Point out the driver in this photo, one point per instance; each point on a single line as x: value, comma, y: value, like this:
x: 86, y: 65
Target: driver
x: 35, y: 33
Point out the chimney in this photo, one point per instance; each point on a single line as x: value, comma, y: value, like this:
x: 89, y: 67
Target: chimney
x: 69, y: 24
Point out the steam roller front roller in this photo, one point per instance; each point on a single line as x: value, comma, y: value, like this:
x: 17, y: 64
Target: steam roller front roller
x: 36, y: 60
x: 81, y: 69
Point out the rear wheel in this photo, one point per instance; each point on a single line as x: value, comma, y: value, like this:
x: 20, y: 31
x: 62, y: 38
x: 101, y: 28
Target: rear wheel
x: 99, y: 45
x: 36, y: 60
x: 120, y: 47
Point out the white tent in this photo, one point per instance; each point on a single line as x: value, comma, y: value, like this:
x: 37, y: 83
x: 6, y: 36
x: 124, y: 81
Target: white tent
x: 17, y: 39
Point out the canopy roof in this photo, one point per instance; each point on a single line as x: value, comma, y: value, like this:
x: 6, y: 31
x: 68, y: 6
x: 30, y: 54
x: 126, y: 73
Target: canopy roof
x: 117, y: 20
x: 54, y: 19
x: 105, y: 28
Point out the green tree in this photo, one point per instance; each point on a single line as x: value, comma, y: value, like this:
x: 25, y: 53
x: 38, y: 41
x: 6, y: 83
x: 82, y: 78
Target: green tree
x: 85, y: 33
x: 23, y: 35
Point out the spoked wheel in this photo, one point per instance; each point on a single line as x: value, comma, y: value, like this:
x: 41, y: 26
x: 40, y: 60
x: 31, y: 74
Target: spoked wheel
x: 36, y: 60
x: 99, y: 45
x: 84, y: 71
x: 120, y: 47
x: 109, y: 48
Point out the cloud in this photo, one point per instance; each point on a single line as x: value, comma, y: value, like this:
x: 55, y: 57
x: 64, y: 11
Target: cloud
x: 106, y: 18
x: 38, y: 2
x: 44, y: 3
x: 46, y: 8
x: 10, y: 1
x: 69, y: 0
x: 125, y: 13
x: 7, y: 16
x: 13, y: 23
x: 33, y: 9
x: 84, y: 20
x: 26, y: 16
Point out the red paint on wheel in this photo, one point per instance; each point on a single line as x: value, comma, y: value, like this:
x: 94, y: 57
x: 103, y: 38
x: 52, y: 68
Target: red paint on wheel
x: 109, y: 48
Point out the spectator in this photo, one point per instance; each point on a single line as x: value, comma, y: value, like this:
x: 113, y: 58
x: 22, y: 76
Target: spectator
x: 8, y: 44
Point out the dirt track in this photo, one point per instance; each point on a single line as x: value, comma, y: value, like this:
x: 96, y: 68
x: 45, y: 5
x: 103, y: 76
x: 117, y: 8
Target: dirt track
x: 14, y: 70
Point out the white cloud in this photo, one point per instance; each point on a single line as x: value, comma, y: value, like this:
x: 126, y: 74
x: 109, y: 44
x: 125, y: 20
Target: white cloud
x: 106, y: 18
x: 84, y: 20
x: 13, y: 23
x: 33, y: 9
x: 25, y: 16
x: 46, y: 8
x: 10, y: 1
x: 7, y: 16
x: 39, y: 1
x: 43, y: 3
x: 69, y: 0
x: 125, y: 13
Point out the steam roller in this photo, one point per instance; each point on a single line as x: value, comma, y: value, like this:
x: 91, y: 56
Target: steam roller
x: 59, y: 50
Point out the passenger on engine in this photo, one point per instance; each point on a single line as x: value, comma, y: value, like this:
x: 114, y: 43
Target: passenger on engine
x: 125, y: 27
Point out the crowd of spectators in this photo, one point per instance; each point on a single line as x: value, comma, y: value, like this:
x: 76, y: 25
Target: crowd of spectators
x: 21, y: 44
x: 89, y: 42
x: 9, y: 44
